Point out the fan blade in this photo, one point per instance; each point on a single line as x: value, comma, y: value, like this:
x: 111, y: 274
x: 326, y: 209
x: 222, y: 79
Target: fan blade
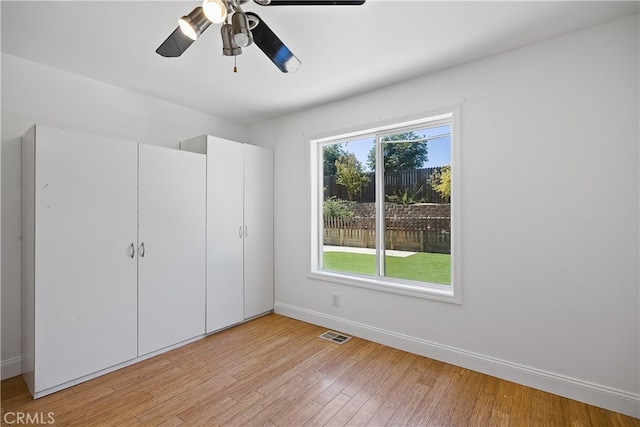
x: 272, y: 46
x: 313, y: 3
x: 175, y: 44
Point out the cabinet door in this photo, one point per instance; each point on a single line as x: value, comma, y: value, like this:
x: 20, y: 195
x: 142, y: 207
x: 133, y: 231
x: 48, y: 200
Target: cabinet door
x: 225, y: 233
x: 258, y: 245
x: 85, y: 277
x: 171, y: 254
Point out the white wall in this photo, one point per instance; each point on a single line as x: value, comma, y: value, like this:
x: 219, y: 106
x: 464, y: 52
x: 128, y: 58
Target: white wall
x: 32, y: 93
x: 550, y: 190
x: 550, y: 273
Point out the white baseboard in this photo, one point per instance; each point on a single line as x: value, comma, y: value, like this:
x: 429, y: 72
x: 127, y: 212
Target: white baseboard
x: 97, y: 374
x: 11, y: 368
x: 583, y: 391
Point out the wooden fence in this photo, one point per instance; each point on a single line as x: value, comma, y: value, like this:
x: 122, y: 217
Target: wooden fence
x: 405, y: 234
x: 415, y: 183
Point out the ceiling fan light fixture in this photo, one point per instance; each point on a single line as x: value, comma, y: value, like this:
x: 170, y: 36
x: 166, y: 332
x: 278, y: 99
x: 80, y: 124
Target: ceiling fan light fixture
x: 193, y: 24
x: 229, y: 46
x: 215, y: 11
x: 241, y: 34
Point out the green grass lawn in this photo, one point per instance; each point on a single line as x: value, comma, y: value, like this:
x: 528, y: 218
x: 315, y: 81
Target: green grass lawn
x: 422, y: 267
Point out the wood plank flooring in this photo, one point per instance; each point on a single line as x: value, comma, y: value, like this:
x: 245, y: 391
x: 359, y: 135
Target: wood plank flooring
x: 275, y: 371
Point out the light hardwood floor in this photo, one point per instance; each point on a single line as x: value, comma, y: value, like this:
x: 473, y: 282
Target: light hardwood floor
x: 275, y: 371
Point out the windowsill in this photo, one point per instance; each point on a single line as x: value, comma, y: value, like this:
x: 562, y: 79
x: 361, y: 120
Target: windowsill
x: 434, y: 292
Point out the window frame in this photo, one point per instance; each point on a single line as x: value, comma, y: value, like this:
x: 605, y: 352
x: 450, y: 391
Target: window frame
x: 449, y: 293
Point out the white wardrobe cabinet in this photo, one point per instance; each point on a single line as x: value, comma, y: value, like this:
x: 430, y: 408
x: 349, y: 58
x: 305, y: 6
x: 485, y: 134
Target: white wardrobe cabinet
x: 171, y: 254
x: 239, y: 230
x: 258, y: 222
x: 79, y: 276
x: 86, y: 289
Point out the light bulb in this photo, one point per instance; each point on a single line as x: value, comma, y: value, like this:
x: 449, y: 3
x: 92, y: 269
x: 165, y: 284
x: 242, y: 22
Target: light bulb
x: 193, y: 24
x: 215, y: 11
x: 187, y: 28
x: 242, y: 39
x: 241, y: 33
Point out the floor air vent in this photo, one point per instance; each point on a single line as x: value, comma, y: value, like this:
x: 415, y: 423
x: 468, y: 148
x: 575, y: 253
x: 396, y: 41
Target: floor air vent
x: 335, y: 337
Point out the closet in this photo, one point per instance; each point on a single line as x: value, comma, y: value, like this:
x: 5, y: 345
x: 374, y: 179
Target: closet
x: 171, y: 248
x: 113, y: 253
x: 239, y: 229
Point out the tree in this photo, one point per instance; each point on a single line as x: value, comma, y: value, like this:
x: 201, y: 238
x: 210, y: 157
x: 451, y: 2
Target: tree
x: 400, y: 155
x: 440, y: 181
x: 331, y: 153
x: 349, y: 173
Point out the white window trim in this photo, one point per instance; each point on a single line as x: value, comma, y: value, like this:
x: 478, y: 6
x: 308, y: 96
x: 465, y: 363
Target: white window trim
x: 448, y: 293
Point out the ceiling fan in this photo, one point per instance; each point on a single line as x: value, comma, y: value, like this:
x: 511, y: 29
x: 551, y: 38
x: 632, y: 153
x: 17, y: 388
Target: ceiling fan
x: 239, y: 29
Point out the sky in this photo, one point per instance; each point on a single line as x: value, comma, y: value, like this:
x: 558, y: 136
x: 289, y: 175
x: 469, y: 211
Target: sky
x: 439, y: 150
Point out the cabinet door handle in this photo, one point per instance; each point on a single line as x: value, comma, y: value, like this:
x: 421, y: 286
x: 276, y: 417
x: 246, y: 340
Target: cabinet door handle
x: 132, y: 250
x: 240, y: 232
x: 141, y: 250
x: 246, y: 231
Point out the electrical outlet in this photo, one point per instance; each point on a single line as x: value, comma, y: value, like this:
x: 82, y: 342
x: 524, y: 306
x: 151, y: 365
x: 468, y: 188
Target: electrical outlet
x: 336, y: 300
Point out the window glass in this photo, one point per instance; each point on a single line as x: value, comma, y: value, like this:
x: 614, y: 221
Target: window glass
x: 385, y: 207
x: 417, y: 191
x: 348, y: 207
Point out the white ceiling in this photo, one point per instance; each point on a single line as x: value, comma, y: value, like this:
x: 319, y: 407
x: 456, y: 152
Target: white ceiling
x: 344, y: 50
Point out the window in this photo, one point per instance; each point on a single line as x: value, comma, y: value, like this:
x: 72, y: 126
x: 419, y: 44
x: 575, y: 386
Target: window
x: 385, y: 207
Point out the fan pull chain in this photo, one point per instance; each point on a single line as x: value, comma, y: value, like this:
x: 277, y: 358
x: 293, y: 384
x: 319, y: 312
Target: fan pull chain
x: 235, y: 68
